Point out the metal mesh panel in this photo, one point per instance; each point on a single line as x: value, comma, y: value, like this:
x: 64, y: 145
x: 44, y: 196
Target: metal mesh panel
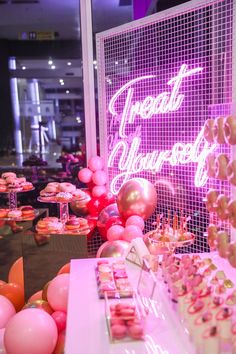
x: 139, y: 136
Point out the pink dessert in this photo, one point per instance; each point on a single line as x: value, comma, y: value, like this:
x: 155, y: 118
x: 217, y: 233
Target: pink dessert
x: 214, y: 306
x: 224, y: 322
x: 201, y: 323
x: 118, y: 331
x: 193, y: 312
x: 211, y: 341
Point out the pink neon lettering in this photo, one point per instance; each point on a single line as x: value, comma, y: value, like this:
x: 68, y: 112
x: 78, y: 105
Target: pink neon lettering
x: 163, y: 103
x: 132, y: 162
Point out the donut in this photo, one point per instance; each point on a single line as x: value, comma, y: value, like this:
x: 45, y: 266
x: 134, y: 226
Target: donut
x: 218, y: 130
x: 136, y: 331
x: 21, y: 179
x: 222, y: 243
x: 222, y: 207
x: 211, y: 198
x: 64, y: 197
x: 231, y: 172
x: 232, y: 212
x: 12, y: 180
x: 8, y: 174
x: 14, y: 187
x: 27, y: 186
x: 50, y: 218
x: 230, y: 130
x: 232, y: 254
x: 212, y: 236
x: 118, y: 331
x: 4, y: 213
x: 211, y: 166
x: 54, y: 184
x: 3, y: 188
x: 67, y: 187
x: 55, y: 227
x: 14, y: 213
x: 208, y: 130
x: 222, y: 161
x: 51, y: 189
x: 72, y: 224
x: 3, y: 182
x: 27, y: 210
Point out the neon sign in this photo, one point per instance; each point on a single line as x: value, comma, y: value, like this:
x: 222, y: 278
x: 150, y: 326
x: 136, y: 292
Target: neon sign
x: 124, y: 150
x: 165, y: 102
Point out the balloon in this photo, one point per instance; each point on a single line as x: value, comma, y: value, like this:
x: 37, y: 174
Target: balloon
x: 39, y: 304
x: 114, y: 220
x: 99, y: 178
x: 14, y: 293
x: 137, y: 197
x: 2, y: 346
x: 94, y: 206
x: 36, y: 296
x: 60, y: 343
x: 85, y: 175
x: 7, y: 310
x: 97, y: 191
x: 57, y: 294
x: 64, y: 269
x: 16, y: 273
x: 80, y: 206
x: 45, y: 291
x: 112, y: 249
x: 115, y: 233
x: 107, y: 199
x: 96, y: 163
x: 131, y: 232
x: 104, y: 216
x: 31, y: 331
x: 135, y: 220
x: 60, y: 320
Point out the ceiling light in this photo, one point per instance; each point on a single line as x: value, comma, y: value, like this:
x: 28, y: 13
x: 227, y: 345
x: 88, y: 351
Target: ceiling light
x: 23, y: 67
x: 95, y: 62
x: 95, y: 67
x: 53, y: 67
x: 62, y: 83
x: 61, y: 80
x: 50, y: 62
x: 69, y: 63
x: 126, y: 61
x: 116, y: 62
x: 67, y: 91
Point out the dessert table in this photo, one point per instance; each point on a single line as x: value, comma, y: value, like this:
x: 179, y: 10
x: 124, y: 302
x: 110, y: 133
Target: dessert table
x: 87, y: 330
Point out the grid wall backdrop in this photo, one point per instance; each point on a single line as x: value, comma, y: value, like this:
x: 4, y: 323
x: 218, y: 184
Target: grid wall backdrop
x: 143, y: 115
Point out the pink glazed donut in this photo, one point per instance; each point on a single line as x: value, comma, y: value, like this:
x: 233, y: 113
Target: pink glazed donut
x: 67, y: 187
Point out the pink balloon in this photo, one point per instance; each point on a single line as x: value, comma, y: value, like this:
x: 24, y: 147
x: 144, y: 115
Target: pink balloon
x: 96, y: 163
x: 99, y: 178
x: 115, y: 232
x: 60, y: 320
x: 97, y: 191
x: 57, y: 293
x: 131, y: 232
x: 7, y: 310
x: 31, y: 331
x: 85, y: 175
x: 2, y: 346
x: 135, y: 220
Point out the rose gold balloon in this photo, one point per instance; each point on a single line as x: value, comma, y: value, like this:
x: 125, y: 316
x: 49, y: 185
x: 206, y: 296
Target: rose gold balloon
x: 137, y: 197
x: 112, y: 249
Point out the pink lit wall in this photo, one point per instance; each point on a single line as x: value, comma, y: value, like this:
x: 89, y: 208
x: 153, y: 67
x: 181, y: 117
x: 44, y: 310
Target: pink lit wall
x: 159, y: 80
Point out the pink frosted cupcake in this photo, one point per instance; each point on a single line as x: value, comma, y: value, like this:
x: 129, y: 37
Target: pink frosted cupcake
x: 224, y: 322
x: 202, y: 322
x: 211, y: 341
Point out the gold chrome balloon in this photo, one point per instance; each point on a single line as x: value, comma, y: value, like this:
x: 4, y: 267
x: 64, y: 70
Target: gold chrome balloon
x: 112, y: 249
x: 137, y: 197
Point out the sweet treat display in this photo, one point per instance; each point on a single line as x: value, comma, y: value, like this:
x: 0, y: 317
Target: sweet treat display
x: 231, y: 172
x: 222, y: 243
x: 211, y: 198
x: 60, y: 193
x: 232, y: 254
x: 212, y: 231
x: 208, y: 131
x: 168, y: 233
x: 230, y: 130
x: 113, y: 279
x: 52, y: 225
x: 26, y: 212
x: 218, y: 130
x: 221, y: 163
x: 211, y: 165
x: 232, y: 212
x: 222, y: 207
x: 10, y: 183
x: 125, y: 322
